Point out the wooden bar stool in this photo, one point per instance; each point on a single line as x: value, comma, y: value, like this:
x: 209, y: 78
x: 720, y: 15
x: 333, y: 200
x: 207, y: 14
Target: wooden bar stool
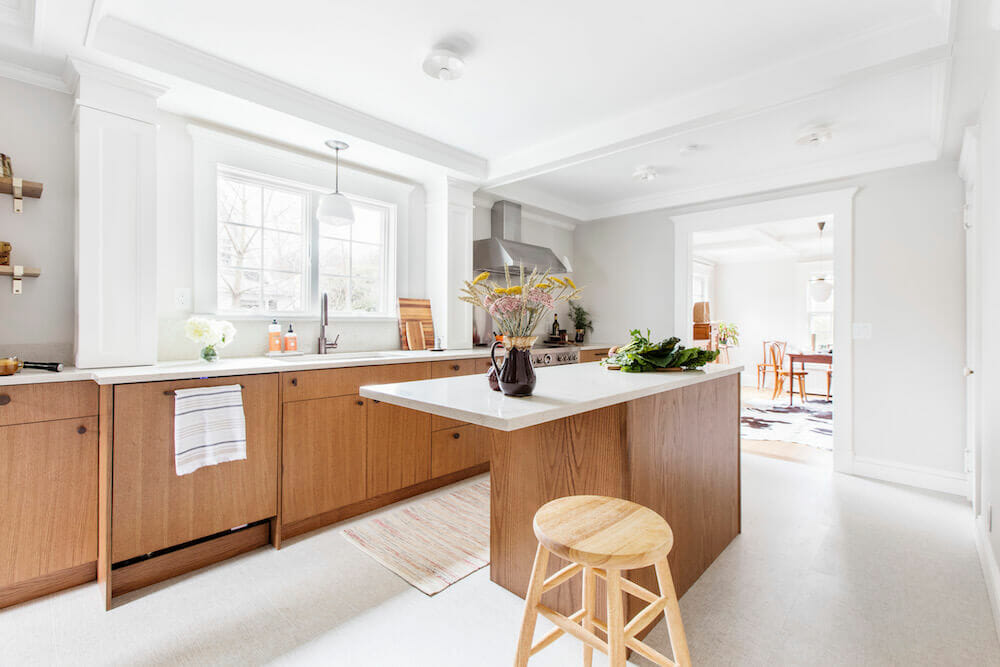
x: 601, y: 537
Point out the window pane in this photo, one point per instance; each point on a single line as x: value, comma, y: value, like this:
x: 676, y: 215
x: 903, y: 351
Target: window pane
x: 368, y: 224
x: 336, y: 290
x: 282, y: 210
x: 366, y: 261
x: 239, y: 202
x: 333, y: 256
x: 364, y: 296
x: 282, y: 291
x: 239, y: 246
x: 239, y: 290
x: 283, y: 251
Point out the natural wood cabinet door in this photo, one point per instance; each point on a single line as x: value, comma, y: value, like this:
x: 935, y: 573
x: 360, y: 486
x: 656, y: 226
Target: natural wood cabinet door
x: 48, y: 498
x: 323, y: 455
x: 399, y: 448
x: 152, y: 507
x: 453, y: 368
x: 459, y: 448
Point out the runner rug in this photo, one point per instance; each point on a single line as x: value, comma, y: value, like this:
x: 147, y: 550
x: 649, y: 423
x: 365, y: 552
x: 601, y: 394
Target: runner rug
x: 432, y: 543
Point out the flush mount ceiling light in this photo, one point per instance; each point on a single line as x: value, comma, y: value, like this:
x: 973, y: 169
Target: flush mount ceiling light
x: 443, y: 64
x: 644, y: 173
x: 814, y: 135
x: 334, y: 208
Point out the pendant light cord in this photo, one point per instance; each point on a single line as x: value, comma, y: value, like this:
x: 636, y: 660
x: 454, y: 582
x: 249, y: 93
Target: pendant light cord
x: 336, y: 186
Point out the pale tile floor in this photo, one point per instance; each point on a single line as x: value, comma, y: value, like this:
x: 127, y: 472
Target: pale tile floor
x: 830, y: 569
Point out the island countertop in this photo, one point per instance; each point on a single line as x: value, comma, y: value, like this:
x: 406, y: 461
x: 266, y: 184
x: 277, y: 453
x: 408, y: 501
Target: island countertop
x: 561, y: 391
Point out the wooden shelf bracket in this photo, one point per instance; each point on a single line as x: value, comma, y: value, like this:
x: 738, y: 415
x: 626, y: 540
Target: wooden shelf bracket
x: 17, y: 272
x: 20, y: 189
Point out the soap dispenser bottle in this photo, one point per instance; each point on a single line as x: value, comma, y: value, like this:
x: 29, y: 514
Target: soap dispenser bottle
x: 291, y: 340
x: 274, y: 336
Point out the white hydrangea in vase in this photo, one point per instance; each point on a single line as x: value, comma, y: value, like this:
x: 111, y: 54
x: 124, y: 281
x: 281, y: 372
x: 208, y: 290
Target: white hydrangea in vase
x: 210, y: 334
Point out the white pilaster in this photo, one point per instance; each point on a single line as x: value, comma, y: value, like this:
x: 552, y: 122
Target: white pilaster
x: 116, y: 218
x: 449, y: 258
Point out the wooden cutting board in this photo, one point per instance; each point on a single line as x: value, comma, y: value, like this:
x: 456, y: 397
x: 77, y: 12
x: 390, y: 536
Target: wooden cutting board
x: 415, y: 335
x: 419, y: 311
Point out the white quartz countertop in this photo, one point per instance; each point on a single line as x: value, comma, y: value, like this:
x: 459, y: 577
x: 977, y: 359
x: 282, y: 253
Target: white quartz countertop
x: 561, y: 391
x: 186, y: 370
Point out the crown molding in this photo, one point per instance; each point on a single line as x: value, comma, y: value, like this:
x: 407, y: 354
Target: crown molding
x: 77, y: 68
x: 779, y: 180
x: 124, y: 40
x: 33, y: 77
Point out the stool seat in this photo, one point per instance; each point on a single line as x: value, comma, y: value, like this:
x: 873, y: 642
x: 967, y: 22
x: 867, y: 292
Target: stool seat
x: 597, y: 531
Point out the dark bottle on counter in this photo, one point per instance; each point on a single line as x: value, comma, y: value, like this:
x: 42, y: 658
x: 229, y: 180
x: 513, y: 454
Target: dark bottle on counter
x: 555, y: 324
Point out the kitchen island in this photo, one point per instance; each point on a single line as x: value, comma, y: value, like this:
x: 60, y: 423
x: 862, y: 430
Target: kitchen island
x: 669, y: 441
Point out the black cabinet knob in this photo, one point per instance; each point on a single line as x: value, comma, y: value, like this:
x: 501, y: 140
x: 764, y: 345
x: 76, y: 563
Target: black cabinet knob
x: 455, y: 367
x: 361, y: 402
x: 81, y: 430
x: 4, y: 399
x: 295, y: 382
x: 456, y: 435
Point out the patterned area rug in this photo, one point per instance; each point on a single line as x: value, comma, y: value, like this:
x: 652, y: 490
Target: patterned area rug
x: 434, y: 543
x: 810, y: 424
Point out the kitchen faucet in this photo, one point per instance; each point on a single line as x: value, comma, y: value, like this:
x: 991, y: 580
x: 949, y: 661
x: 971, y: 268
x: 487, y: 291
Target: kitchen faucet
x: 325, y: 345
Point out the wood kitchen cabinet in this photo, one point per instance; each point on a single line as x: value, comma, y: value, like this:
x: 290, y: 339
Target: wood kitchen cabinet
x: 48, y: 488
x: 459, y: 448
x: 323, y: 455
x: 399, y: 448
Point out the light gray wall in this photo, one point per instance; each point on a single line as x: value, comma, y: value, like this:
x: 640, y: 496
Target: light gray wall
x: 626, y: 266
x: 908, y: 283
x: 38, y: 135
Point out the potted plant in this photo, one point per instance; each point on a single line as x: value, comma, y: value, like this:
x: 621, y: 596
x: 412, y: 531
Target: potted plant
x: 581, y: 320
x: 729, y: 334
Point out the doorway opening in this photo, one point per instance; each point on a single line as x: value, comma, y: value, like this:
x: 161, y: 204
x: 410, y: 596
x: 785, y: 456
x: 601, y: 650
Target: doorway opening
x: 779, y: 296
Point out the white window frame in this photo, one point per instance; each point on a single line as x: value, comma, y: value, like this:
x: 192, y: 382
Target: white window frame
x: 311, y: 295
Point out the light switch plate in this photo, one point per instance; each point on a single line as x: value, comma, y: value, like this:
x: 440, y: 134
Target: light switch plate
x: 182, y: 298
x: 862, y: 331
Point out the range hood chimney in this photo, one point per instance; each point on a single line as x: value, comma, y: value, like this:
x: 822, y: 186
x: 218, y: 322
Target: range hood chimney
x: 504, y: 247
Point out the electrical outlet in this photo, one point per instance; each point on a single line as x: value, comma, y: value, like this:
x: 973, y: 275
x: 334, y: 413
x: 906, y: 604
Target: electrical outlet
x: 862, y: 330
x: 182, y: 298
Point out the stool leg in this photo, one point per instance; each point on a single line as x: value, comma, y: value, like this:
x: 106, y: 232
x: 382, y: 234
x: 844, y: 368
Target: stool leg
x: 590, y: 606
x: 531, y: 600
x: 672, y: 612
x: 616, y: 620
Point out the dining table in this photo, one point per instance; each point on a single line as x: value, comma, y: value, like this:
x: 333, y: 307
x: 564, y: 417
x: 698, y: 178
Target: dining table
x: 803, y: 358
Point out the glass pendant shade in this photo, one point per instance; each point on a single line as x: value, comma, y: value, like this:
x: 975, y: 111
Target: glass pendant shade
x: 820, y: 290
x: 335, y: 209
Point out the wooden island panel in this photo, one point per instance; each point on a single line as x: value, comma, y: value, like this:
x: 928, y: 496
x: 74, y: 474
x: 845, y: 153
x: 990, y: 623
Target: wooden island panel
x: 676, y: 452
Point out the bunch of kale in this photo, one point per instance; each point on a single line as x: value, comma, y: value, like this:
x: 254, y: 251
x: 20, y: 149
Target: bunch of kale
x: 641, y: 354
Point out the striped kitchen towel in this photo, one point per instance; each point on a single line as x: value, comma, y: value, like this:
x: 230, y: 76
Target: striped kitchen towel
x: 209, y: 427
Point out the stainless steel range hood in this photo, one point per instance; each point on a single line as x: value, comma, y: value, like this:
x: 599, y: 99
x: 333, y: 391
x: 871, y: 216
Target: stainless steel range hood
x: 504, y: 247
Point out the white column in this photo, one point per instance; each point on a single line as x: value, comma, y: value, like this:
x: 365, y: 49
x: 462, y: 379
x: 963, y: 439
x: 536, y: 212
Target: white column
x: 449, y: 258
x: 116, y: 218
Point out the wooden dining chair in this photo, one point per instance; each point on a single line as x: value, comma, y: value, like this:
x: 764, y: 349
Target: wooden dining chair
x: 791, y: 374
x: 768, y: 365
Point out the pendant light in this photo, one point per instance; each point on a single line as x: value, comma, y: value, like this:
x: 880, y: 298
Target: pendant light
x: 820, y: 289
x: 334, y: 208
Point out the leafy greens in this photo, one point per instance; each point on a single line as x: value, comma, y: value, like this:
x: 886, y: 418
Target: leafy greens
x: 641, y: 354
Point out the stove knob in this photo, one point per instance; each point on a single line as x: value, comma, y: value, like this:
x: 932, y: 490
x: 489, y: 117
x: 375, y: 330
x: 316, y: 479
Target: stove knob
x: 548, y: 359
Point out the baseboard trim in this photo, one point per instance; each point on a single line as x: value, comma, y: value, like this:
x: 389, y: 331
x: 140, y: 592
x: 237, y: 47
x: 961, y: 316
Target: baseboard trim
x: 920, y: 477
x: 47, y: 583
x: 991, y: 571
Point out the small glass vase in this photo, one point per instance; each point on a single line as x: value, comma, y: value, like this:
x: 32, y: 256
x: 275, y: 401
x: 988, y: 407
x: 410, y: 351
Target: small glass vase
x: 209, y: 353
x: 516, y: 376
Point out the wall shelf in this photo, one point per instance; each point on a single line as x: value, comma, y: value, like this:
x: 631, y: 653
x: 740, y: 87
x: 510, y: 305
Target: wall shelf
x: 28, y: 188
x: 28, y: 273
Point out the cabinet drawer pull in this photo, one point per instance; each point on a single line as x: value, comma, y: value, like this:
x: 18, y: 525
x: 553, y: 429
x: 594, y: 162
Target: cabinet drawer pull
x: 4, y: 399
x: 81, y: 430
x: 295, y: 382
x: 455, y: 367
x: 361, y: 402
x: 456, y: 435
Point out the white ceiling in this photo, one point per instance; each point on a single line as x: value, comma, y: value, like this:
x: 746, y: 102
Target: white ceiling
x: 787, y: 240
x: 560, y: 101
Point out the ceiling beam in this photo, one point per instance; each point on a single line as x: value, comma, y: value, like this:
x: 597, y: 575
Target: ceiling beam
x: 916, y: 43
